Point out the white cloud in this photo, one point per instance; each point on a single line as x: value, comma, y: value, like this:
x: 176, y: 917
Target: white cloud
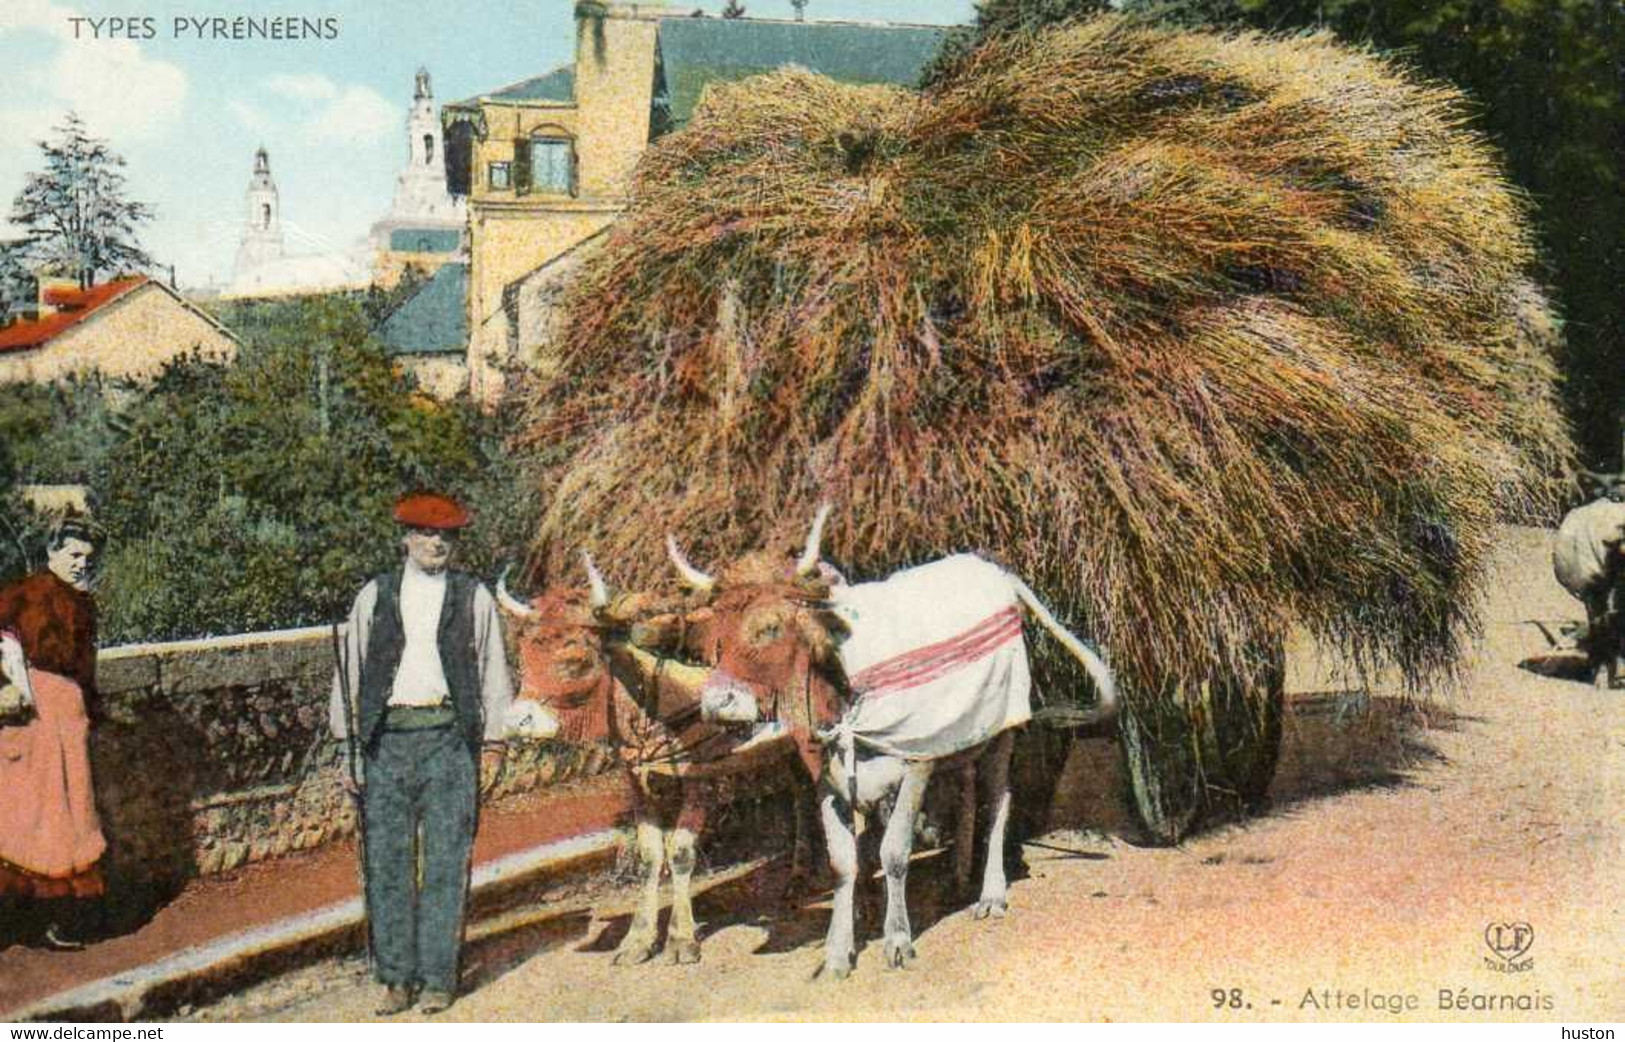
x: 305, y: 86
x: 358, y: 115
x: 251, y: 116
x: 36, y: 14
x: 120, y: 91
x: 310, y: 109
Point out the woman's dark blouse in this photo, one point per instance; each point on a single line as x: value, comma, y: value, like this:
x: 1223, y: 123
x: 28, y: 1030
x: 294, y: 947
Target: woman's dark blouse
x: 56, y: 625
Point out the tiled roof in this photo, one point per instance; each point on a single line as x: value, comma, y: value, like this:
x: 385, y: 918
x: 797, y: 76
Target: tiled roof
x: 433, y: 320
x: 24, y: 334
x: 698, y: 51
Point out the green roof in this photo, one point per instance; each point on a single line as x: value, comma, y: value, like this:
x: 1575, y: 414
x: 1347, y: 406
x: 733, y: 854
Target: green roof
x: 698, y: 51
x: 558, y: 85
x: 434, y: 320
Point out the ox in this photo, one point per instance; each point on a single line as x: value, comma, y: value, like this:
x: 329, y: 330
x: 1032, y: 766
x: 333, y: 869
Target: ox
x: 1587, y: 561
x: 922, y: 671
x: 576, y: 661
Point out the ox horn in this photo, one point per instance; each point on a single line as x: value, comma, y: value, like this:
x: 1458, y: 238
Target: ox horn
x: 691, y: 575
x: 808, y: 565
x: 595, y: 581
x: 509, y: 602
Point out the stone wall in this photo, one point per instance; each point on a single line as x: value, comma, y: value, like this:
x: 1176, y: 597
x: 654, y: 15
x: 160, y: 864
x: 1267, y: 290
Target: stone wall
x: 210, y: 754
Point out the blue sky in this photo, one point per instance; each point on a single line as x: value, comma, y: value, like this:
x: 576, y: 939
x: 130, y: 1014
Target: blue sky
x: 187, y: 113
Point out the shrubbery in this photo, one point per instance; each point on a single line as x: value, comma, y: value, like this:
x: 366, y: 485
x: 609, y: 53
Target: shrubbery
x: 257, y: 495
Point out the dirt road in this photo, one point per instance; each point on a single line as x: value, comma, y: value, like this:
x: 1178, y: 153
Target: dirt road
x: 1397, y: 836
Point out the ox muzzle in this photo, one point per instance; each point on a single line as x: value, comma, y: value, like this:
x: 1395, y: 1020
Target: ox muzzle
x: 726, y: 699
x: 528, y: 718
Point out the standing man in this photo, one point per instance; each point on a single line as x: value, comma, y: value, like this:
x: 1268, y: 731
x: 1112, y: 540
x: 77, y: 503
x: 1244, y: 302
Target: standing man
x: 51, y: 841
x: 425, y: 673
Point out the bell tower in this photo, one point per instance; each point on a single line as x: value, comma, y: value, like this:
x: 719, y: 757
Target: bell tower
x: 262, y: 235
x: 425, y: 225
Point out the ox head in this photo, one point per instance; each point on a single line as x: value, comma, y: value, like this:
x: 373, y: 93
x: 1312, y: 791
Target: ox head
x: 570, y: 642
x: 769, y: 634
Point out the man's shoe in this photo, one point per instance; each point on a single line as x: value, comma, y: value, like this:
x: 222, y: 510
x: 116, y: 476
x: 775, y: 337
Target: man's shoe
x: 398, y: 998
x: 57, y: 941
x: 436, y: 1001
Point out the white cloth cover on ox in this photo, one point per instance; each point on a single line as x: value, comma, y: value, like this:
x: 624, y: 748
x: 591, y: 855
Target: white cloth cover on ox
x: 1580, y: 551
x: 935, y: 657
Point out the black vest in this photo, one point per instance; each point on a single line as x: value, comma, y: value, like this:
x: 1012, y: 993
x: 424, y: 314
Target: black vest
x: 458, y: 658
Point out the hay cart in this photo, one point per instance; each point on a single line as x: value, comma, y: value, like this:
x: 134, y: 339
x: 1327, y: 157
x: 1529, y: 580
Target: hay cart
x: 1159, y: 319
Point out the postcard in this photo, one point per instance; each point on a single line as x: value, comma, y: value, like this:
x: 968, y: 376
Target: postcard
x: 811, y: 510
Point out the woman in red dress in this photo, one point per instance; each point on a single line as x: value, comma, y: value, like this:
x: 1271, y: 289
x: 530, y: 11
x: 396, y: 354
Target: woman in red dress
x: 51, y: 841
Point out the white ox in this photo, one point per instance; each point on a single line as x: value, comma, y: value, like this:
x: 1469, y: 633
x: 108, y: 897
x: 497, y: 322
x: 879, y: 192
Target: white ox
x: 1585, y: 540
x: 936, y: 668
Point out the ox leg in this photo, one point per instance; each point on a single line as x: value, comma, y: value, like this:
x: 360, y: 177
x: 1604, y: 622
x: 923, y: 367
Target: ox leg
x: 640, y: 943
x: 995, y: 772
x: 895, y: 848
x: 800, y: 881
x: 840, y: 947
x: 680, y: 852
x: 965, y: 832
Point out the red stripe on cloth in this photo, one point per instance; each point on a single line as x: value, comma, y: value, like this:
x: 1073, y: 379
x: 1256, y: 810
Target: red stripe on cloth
x: 926, y: 675
x: 933, y: 658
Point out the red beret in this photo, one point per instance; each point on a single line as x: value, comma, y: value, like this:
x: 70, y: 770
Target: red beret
x: 430, y: 510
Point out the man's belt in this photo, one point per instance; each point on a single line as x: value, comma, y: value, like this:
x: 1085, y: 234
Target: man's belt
x: 418, y: 718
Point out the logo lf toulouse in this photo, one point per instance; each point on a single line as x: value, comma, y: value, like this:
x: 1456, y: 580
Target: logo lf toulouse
x: 1509, y: 942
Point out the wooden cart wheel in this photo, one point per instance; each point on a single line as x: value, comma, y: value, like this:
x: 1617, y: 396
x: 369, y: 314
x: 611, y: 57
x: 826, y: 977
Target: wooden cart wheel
x: 1160, y: 760
x: 1219, y: 754
x: 1242, y: 736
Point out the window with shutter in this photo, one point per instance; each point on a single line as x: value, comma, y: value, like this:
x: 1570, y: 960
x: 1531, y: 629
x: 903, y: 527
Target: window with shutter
x: 553, y: 165
x: 521, y: 166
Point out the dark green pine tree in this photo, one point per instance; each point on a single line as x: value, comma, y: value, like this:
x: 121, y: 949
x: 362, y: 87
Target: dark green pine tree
x: 76, y: 213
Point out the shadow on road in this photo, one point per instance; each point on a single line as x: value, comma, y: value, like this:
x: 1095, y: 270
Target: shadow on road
x: 1334, y: 742
x: 1559, y: 665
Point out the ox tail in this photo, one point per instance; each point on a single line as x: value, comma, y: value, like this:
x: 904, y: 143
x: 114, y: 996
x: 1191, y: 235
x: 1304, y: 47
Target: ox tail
x: 1099, y: 672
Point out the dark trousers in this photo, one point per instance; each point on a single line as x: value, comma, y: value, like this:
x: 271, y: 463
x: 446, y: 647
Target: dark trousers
x: 429, y: 779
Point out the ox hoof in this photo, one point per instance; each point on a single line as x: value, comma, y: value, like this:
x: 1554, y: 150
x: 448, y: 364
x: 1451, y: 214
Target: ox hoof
x: 836, y: 971
x: 634, y: 954
x: 899, y: 953
x: 684, y: 952
x: 991, y: 909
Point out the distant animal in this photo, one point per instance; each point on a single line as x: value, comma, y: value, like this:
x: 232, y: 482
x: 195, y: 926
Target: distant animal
x: 1588, y: 561
x: 576, y: 661
x: 904, y: 677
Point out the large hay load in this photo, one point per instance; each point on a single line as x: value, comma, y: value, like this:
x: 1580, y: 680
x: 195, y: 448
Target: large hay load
x: 1206, y: 336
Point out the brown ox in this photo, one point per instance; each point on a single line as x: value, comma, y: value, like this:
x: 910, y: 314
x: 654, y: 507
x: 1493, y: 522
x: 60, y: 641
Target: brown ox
x: 575, y: 659
x: 792, y: 641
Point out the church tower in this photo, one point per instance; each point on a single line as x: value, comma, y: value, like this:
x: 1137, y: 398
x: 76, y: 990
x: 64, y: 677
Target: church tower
x: 262, y: 235
x: 424, y: 227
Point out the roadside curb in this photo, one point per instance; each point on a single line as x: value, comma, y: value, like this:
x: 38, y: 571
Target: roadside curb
x: 196, y: 975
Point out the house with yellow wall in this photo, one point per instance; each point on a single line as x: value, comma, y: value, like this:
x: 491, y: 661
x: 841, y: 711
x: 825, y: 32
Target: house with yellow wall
x: 124, y: 329
x: 545, y: 163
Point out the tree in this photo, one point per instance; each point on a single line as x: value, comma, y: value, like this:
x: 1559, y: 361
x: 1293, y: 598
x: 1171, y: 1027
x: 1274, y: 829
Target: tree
x: 17, y: 285
x: 258, y: 495
x: 800, y: 8
x: 734, y: 9
x: 76, y: 211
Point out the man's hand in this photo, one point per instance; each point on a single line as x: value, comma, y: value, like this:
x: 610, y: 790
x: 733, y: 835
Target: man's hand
x: 491, y: 757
